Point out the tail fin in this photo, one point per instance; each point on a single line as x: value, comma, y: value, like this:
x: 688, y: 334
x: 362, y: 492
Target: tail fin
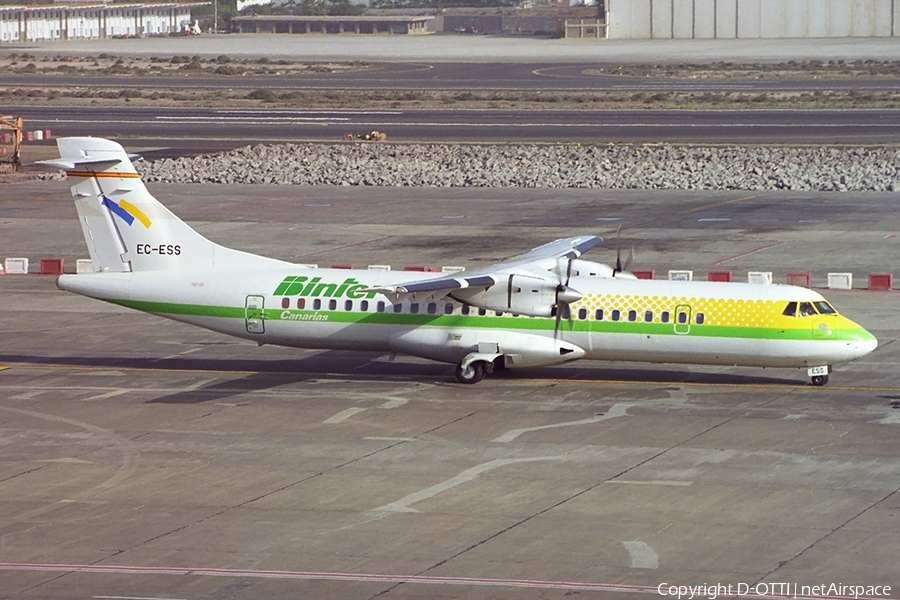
x: 127, y: 229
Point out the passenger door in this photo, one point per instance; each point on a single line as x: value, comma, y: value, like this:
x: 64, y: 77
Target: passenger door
x: 255, y: 314
x: 683, y: 319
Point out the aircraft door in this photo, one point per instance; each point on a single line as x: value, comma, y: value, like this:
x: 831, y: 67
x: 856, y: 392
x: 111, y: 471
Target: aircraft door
x: 254, y: 314
x: 683, y: 319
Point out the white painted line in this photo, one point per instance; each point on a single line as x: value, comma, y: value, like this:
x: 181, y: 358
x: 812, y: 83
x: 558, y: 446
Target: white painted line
x: 134, y: 598
x: 652, y: 482
x: 343, y: 415
x: 616, y: 410
x: 109, y: 394
x: 402, y: 505
x: 394, y: 403
x: 27, y: 395
x: 389, y: 439
x: 642, y: 555
x: 367, y: 577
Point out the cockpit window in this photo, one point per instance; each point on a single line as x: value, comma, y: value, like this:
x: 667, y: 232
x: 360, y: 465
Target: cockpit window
x: 791, y: 310
x: 806, y: 310
x: 825, y: 308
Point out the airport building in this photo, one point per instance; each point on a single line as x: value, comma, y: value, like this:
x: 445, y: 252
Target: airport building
x: 95, y: 20
x: 747, y: 19
x: 400, y: 24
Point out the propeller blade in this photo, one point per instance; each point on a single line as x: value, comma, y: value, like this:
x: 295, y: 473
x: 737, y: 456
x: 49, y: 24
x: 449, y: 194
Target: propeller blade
x: 629, y: 260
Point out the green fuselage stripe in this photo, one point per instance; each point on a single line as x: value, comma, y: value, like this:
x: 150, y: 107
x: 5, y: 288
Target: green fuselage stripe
x: 486, y: 321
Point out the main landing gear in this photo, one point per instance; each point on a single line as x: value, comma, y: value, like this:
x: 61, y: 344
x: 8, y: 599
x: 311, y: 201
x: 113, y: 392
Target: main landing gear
x: 819, y: 375
x: 472, y: 373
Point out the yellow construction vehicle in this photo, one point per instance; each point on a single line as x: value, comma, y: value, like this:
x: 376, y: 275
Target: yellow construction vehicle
x: 15, y: 124
x: 374, y: 136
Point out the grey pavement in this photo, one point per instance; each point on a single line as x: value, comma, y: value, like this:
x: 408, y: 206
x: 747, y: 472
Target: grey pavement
x: 141, y: 458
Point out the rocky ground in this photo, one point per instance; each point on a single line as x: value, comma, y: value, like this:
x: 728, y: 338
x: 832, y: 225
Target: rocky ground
x: 551, y: 166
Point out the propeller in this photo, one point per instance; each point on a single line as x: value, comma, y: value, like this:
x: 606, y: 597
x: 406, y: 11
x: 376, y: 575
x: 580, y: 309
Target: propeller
x: 564, y: 295
x: 619, y: 267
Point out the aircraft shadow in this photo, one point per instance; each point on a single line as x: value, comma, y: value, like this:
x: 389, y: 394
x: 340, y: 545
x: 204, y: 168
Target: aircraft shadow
x: 269, y: 373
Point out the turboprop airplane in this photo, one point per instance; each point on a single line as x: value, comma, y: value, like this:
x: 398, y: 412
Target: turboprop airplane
x: 545, y: 307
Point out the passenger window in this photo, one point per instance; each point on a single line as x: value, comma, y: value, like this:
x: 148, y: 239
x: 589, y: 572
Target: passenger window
x: 482, y: 312
x: 790, y: 310
x: 317, y: 304
x: 582, y: 313
x: 380, y: 306
x: 301, y: 303
x: 824, y: 308
x: 448, y: 309
x: 398, y: 308
x: 648, y: 316
x: 348, y: 304
x: 682, y: 318
x: 806, y: 309
x: 632, y: 315
x: 414, y: 307
x: 285, y: 303
x: 364, y: 305
x: 664, y: 316
x: 700, y: 318
x: 599, y: 314
x: 332, y: 304
x: 432, y: 308
x: 465, y: 309
x: 616, y: 314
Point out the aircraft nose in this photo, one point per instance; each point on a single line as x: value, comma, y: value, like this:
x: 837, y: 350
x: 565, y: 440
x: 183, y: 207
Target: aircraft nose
x: 860, y: 340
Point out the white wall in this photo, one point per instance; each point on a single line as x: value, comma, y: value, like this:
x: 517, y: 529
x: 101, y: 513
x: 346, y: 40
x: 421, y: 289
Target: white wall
x: 643, y: 19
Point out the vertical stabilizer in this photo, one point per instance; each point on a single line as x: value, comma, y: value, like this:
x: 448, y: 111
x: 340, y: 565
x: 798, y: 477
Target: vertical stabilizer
x: 127, y: 229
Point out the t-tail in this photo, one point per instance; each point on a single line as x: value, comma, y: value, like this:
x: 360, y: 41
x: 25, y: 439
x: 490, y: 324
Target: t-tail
x: 126, y: 228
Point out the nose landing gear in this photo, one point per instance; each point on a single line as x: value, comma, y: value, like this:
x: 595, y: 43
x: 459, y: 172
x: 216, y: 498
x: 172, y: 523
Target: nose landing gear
x: 819, y: 375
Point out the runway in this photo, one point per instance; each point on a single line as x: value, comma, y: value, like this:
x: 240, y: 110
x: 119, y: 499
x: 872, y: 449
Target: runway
x: 142, y: 458
x: 192, y: 130
x: 456, y: 76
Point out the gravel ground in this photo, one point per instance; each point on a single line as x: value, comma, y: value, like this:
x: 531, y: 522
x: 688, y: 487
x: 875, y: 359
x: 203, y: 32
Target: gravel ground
x: 663, y: 167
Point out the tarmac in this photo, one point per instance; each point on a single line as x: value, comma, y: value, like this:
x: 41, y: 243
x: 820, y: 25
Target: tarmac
x: 479, y: 48
x: 142, y: 458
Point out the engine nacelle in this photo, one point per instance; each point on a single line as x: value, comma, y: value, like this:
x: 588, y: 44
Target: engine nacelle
x: 522, y: 295
x: 587, y: 268
x: 517, y: 348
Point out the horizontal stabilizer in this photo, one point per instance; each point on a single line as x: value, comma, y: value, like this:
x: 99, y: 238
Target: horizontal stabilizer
x: 70, y: 164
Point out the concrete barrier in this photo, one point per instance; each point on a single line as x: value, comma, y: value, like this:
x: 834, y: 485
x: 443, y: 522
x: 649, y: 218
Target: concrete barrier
x: 881, y: 282
x: 379, y: 267
x: 800, y: 279
x: 763, y: 277
x: 452, y: 269
x: 52, y: 266
x: 721, y: 276
x: 308, y: 265
x: 644, y: 273
x: 16, y: 266
x: 840, y: 281
x: 84, y: 265
x: 681, y: 275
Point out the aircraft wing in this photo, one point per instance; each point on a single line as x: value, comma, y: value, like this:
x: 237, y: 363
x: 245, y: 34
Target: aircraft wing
x: 537, y: 262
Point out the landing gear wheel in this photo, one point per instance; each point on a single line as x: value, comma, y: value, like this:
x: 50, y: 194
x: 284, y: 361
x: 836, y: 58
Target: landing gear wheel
x: 473, y: 374
x: 819, y: 380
